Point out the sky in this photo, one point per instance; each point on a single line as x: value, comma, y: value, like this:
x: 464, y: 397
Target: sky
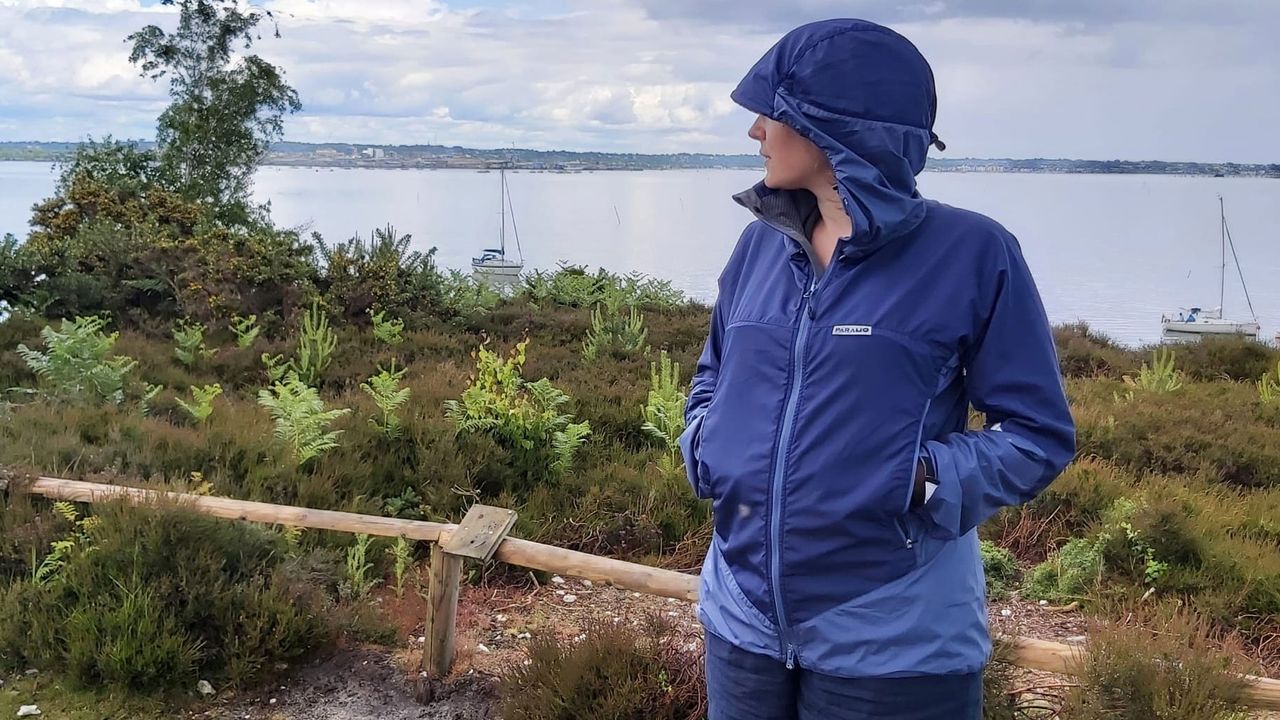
x: 1091, y: 79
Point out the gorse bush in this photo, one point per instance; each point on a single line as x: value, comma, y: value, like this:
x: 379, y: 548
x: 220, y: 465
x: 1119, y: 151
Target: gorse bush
x: 76, y: 365
x: 525, y: 419
x: 1226, y: 358
x: 466, y: 297
x: 1118, y: 546
x: 15, y: 278
x: 382, y: 275
x: 1169, y: 536
x: 115, y: 239
x: 1082, y: 352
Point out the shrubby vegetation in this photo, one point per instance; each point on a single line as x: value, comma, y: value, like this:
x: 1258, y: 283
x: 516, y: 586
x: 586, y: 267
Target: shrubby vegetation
x: 614, y: 672
x: 151, y: 600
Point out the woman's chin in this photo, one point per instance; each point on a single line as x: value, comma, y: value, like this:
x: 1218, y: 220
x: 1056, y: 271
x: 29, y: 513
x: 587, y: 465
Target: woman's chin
x: 774, y: 183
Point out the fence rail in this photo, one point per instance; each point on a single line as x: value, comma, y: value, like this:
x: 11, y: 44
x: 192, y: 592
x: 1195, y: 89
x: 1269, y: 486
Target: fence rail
x: 1031, y: 653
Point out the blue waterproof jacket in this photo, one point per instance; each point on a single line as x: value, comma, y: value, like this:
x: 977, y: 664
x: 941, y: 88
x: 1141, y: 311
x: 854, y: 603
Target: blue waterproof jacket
x: 818, y: 391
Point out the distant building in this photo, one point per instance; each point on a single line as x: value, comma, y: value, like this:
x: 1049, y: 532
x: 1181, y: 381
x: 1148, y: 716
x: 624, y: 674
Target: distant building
x: 374, y: 153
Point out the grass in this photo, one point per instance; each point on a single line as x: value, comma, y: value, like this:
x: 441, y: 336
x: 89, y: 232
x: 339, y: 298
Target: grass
x: 58, y: 698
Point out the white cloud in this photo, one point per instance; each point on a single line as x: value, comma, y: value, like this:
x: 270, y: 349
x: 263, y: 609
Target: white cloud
x: 654, y: 75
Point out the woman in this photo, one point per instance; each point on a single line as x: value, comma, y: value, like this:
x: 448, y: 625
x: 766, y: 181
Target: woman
x: 856, y: 322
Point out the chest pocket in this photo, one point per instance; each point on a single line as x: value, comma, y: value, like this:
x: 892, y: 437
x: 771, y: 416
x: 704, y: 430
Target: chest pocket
x: 869, y: 361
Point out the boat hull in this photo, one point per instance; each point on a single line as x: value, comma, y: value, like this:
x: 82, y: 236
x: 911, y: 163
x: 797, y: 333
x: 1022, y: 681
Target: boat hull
x: 1210, y: 328
x: 497, y: 268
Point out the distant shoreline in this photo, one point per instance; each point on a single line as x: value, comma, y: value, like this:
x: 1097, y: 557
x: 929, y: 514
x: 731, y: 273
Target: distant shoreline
x: 930, y: 169
x: 437, y: 157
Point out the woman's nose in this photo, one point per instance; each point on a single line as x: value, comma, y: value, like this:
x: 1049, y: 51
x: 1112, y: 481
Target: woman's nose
x: 756, y: 131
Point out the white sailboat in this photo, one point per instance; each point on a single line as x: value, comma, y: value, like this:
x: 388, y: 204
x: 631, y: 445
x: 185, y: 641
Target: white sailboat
x: 493, y: 263
x: 1195, y: 322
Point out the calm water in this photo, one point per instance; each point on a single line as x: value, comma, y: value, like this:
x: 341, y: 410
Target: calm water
x: 1114, y: 250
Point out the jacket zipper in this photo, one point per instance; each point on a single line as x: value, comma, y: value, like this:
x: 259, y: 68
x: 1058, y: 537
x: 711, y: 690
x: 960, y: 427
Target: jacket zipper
x: 901, y: 525
x: 780, y: 468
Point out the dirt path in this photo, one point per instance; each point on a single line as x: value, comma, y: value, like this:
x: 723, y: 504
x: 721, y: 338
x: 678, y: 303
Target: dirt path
x: 494, y: 625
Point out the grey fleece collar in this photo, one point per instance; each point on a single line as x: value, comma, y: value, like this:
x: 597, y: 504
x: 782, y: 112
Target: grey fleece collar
x: 794, y: 213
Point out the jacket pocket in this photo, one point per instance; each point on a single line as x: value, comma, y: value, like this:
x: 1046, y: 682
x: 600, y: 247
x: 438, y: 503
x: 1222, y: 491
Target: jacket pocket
x: 690, y: 444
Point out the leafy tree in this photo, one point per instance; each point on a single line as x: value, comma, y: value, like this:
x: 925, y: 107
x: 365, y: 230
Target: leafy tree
x: 226, y: 110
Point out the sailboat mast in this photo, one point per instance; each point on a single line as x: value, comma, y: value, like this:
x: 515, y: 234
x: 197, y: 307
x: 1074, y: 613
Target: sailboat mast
x: 502, y: 196
x: 1222, y: 277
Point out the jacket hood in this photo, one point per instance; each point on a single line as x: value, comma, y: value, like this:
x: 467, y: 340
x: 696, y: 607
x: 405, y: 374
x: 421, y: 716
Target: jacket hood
x: 865, y: 96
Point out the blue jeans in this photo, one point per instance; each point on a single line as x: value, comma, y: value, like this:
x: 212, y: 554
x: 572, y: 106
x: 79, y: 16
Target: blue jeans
x: 746, y: 686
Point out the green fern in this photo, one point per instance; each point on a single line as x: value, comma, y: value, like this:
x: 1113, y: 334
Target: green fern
x: 385, y: 390
x: 190, y: 343
x: 301, y: 420
x: 148, y: 394
x: 390, y: 331
x: 60, y: 550
x: 202, y: 407
x: 276, y: 367
x: 524, y: 418
x: 664, y: 412
x: 75, y: 364
x: 246, y: 330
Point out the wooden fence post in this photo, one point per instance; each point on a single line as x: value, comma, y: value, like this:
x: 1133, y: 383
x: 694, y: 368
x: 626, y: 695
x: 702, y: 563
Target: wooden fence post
x: 478, y: 537
x: 442, y: 591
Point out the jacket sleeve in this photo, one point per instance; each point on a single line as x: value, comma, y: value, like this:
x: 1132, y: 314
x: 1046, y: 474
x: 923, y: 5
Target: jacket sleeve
x: 704, y: 384
x: 708, y: 370
x: 1011, y: 375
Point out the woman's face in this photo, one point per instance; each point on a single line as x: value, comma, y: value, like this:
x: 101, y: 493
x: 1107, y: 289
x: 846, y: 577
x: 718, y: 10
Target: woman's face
x: 791, y: 162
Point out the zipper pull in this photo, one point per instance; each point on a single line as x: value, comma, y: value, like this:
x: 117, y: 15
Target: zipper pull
x: 808, y: 300
x: 791, y: 657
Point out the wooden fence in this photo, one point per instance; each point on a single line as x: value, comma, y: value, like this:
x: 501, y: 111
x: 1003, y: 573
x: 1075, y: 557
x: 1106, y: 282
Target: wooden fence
x: 483, y: 535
